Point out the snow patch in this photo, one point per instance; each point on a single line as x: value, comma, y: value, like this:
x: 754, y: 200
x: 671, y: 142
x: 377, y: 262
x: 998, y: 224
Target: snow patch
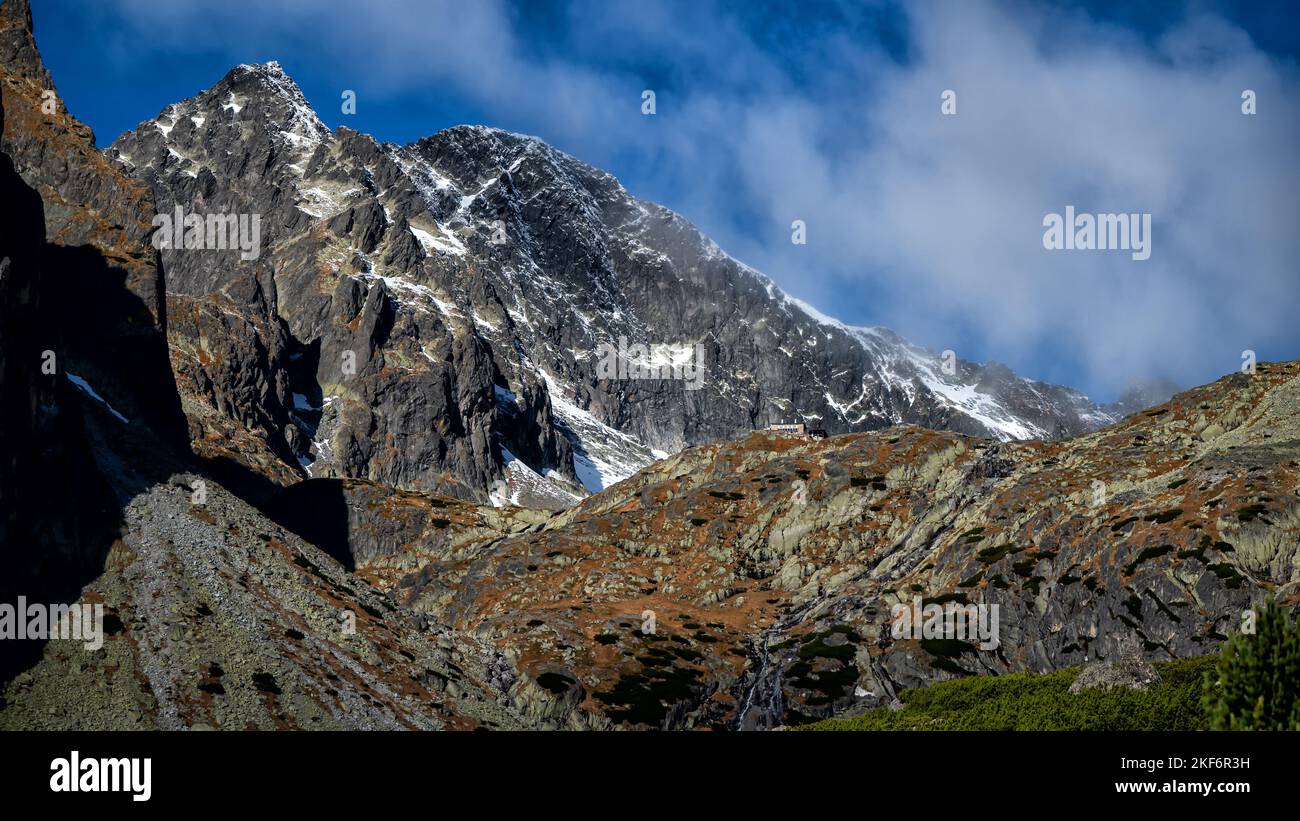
x: 602, y: 456
x: 447, y: 243
x: 166, y: 128
x: 414, y: 293
x: 85, y: 388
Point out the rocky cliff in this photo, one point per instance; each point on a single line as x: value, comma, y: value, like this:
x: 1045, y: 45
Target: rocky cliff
x: 213, y: 615
x: 55, y: 510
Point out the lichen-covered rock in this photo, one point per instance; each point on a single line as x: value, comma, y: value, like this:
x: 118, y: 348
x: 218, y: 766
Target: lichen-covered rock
x: 779, y: 560
x: 1129, y: 671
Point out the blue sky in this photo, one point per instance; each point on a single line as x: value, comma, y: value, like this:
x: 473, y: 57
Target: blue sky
x: 829, y: 112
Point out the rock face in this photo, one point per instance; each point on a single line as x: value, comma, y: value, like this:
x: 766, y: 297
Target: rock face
x: 432, y: 316
x: 96, y: 255
x: 21, y: 394
x: 55, y: 510
x: 217, y: 617
x: 773, y: 565
x: 213, y: 615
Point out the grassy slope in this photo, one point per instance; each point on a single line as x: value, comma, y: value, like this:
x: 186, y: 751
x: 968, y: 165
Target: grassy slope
x: 1028, y: 701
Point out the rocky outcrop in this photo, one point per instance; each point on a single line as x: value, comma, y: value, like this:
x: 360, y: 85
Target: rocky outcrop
x: 1129, y: 671
x: 217, y: 618
x: 380, y: 531
x: 56, y: 513
x: 21, y: 391
x: 773, y: 564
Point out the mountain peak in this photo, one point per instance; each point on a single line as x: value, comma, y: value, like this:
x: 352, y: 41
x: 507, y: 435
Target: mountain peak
x: 485, y: 143
x: 480, y: 233
x: 270, y: 83
x: 261, y: 94
x: 271, y: 70
x: 270, y: 67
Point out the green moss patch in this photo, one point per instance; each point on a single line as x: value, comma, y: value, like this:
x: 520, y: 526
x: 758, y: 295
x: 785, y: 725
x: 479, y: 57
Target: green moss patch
x: 1028, y: 701
x: 989, y: 555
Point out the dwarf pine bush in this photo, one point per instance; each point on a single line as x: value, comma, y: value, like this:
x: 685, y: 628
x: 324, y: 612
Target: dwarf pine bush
x: 1256, y: 684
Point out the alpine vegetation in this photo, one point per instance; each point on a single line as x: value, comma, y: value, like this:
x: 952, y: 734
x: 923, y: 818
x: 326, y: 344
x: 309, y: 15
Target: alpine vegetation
x: 1100, y: 232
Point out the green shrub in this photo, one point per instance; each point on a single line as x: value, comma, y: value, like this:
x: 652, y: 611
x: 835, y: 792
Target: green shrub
x: 1164, y: 517
x: 1029, y: 701
x: 989, y: 555
x: 1256, y: 685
